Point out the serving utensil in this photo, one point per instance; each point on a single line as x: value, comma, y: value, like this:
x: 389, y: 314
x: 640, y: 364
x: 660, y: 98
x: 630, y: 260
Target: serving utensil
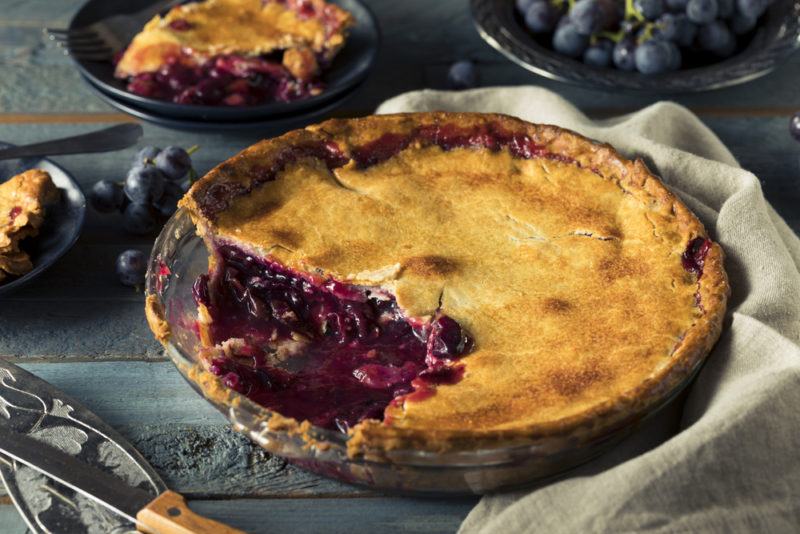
x: 106, y: 140
x: 66, y: 471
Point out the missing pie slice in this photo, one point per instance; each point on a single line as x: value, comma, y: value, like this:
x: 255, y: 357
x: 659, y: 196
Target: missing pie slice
x: 22, y: 209
x: 235, y: 52
x: 448, y: 281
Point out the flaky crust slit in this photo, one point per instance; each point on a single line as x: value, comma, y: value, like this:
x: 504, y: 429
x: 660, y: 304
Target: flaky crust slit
x: 22, y: 208
x: 565, y: 261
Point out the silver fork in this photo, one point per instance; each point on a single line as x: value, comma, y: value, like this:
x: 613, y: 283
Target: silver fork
x: 101, y: 40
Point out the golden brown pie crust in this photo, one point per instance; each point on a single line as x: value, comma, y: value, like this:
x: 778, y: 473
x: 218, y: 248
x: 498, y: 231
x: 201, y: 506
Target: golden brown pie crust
x: 22, y: 206
x: 565, y: 268
x: 197, y: 31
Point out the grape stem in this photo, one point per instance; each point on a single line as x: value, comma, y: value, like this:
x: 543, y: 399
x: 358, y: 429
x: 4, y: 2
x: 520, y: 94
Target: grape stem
x: 631, y: 12
x: 192, y: 149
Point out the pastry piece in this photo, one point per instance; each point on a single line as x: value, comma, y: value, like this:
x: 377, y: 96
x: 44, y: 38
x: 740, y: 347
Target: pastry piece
x: 235, y: 52
x: 450, y: 281
x: 22, y: 209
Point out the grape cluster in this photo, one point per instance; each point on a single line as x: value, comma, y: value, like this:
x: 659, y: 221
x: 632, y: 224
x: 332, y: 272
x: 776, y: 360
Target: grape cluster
x: 648, y: 36
x: 150, y: 192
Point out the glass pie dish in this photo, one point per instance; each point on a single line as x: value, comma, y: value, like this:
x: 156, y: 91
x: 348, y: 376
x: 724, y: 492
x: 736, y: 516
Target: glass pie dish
x: 179, y: 256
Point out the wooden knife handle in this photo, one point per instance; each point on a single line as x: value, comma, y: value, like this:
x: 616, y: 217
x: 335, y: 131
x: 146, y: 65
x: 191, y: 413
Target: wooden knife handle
x: 169, y: 514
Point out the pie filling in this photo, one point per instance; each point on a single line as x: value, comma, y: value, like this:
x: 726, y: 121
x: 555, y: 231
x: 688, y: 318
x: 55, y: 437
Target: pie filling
x: 314, y: 348
x: 224, y: 80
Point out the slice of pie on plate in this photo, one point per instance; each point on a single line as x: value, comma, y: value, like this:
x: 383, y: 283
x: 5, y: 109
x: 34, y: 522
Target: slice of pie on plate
x: 449, y: 281
x: 22, y: 210
x: 235, y: 52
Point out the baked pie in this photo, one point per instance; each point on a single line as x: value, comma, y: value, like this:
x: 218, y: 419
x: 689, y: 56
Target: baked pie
x: 235, y: 52
x: 449, y: 281
x: 22, y: 208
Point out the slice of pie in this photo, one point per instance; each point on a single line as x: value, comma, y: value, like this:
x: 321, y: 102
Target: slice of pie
x: 450, y: 281
x: 22, y: 208
x: 235, y: 52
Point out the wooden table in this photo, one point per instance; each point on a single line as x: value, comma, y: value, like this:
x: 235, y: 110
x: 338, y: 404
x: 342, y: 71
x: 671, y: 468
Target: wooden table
x: 78, y: 328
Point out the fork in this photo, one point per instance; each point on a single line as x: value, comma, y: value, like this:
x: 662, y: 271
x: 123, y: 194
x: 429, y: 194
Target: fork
x: 101, y: 40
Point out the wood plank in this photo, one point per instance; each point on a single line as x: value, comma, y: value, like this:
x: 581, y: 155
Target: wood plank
x: 416, y: 52
x: 333, y: 516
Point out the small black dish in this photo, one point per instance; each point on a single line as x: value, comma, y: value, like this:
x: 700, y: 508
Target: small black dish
x: 348, y: 69
x: 776, y: 38
x: 269, y: 125
x: 62, y: 224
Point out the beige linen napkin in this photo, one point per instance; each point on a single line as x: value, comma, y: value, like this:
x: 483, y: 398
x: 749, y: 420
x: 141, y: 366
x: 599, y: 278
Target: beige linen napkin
x: 728, y: 459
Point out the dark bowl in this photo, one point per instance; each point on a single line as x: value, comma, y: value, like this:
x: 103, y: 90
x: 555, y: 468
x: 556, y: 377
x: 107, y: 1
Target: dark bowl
x: 272, y: 125
x: 348, y: 69
x: 62, y: 224
x: 777, y: 36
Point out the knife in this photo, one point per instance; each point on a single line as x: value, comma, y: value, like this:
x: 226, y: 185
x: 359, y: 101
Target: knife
x: 166, y: 514
x: 105, y: 140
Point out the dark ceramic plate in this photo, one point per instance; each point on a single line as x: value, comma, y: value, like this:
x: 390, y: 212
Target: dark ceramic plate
x: 268, y: 125
x: 62, y: 224
x: 777, y: 36
x: 349, y: 67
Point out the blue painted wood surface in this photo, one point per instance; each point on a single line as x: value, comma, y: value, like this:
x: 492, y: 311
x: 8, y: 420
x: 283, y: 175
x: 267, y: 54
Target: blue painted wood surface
x: 78, y: 328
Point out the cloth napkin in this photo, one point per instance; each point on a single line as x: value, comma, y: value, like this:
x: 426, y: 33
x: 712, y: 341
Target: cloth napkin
x: 728, y: 458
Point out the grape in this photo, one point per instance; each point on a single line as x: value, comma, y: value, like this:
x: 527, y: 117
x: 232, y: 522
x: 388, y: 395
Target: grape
x: 794, y: 126
x: 676, y: 5
x: 702, y: 11
x: 144, y: 184
x: 725, y: 8
x: 146, y: 155
x: 592, y: 16
x: 523, y: 5
x: 567, y: 40
x: 598, y: 54
x: 462, y: 75
x: 751, y: 8
x: 674, y: 55
x: 741, y: 24
x: 676, y: 28
x: 131, y: 267
x: 624, y: 55
x: 649, y: 9
x: 168, y: 203
x: 654, y: 56
x: 174, y: 162
x: 716, y: 38
x: 541, y: 17
x: 138, y: 218
x: 106, y: 196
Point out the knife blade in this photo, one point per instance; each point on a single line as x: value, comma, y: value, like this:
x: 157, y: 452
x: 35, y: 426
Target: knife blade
x: 168, y: 513
x: 105, y: 140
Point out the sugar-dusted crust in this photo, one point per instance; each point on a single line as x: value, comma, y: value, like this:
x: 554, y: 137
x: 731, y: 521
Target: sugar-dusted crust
x: 196, y: 31
x: 22, y: 208
x: 565, y: 261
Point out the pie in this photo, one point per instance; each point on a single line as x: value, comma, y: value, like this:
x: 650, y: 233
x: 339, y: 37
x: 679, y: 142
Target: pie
x: 22, y: 208
x: 235, y: 52
x: 449, y: 281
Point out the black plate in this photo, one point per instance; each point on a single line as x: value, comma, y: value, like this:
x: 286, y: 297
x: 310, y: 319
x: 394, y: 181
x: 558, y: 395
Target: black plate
x: 777, y: 36
x: 273, y: 125
x: 349, y: 67
x: 62, y: 224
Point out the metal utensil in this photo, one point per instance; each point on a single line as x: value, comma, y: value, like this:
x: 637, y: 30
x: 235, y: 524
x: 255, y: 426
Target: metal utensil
x: 67, y: 471
x: 106, y: 140
x: 167, y: 513
x: 101, y: 40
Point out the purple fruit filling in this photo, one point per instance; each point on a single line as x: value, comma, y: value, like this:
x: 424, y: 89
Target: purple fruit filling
x: 316, y: 349
x: 694, y: 257
x: 227, y: 80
